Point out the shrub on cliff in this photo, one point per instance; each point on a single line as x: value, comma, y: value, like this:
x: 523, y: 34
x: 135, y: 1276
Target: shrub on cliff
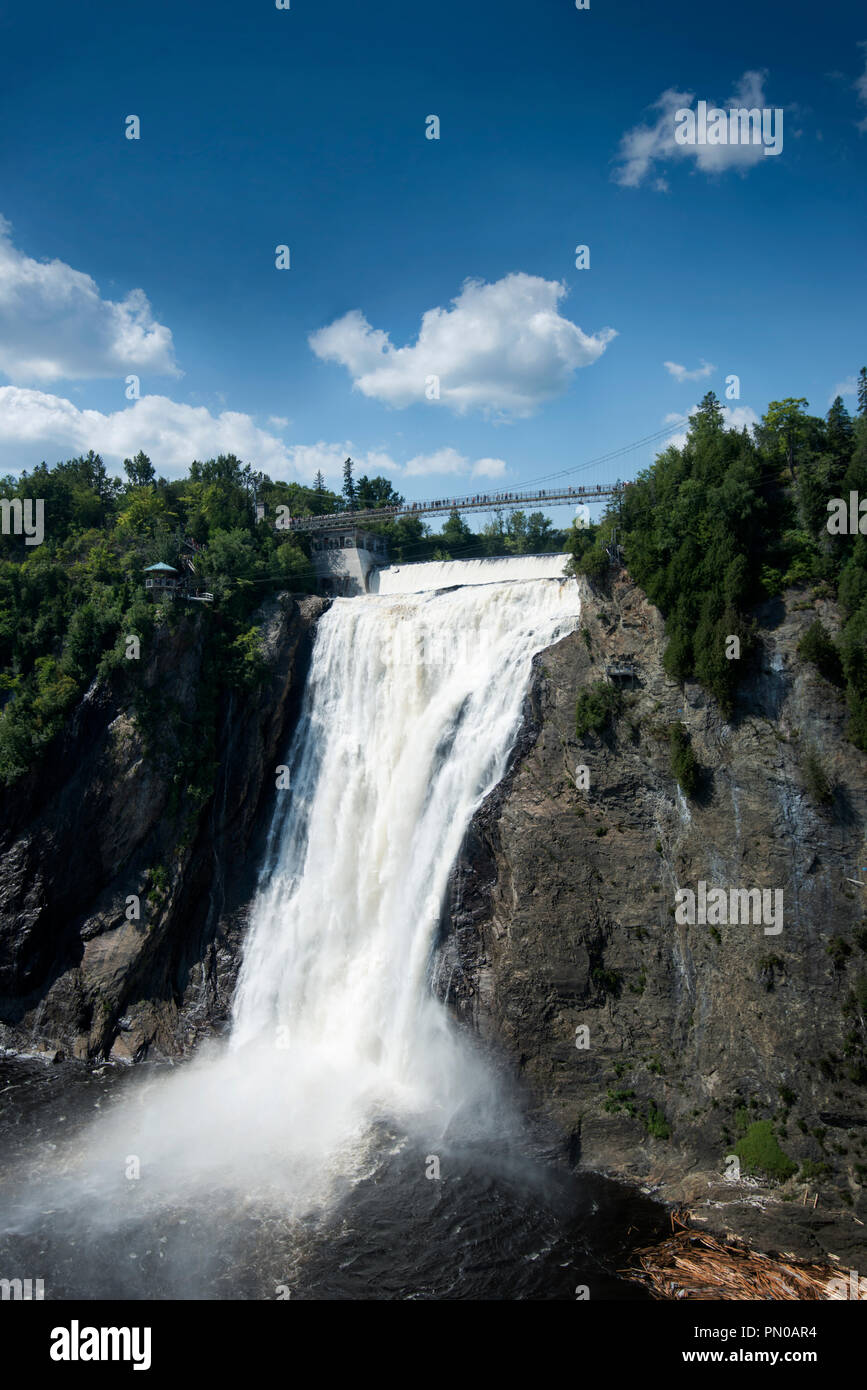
x: 817, y: 647
x: 816, y: 778
x: 684, y: 764
x: 759, y: 1152
x: 656, y: 1124
x: 594, y: 707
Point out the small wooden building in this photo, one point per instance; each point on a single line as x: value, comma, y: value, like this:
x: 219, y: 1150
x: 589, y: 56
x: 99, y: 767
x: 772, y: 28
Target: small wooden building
x: 163, y: 581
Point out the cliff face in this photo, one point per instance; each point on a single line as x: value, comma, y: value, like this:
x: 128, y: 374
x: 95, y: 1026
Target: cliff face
x: 561, y: 918
x: 560, y: 927
x: 104, y: 820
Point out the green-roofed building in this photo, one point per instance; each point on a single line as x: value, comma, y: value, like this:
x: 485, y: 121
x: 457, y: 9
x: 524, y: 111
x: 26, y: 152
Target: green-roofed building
x: 162, y: 581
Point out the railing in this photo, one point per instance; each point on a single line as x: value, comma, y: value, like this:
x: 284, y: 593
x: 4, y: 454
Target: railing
x: 479, y: 502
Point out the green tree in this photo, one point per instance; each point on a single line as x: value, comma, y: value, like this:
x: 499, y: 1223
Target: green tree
x: 841, y: 431
x: 709, y: 417
x: 516, y: 533
x: 817, y: 647
x: 370, y: 493
x: 684, y: 765
x: 783, y: 430
x: 140, y: 470
x: 456, y: 533
x: 540, y: 533
x: 348, y: 485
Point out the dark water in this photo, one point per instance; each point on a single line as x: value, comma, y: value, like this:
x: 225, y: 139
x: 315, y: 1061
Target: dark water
x: 503, y: 1223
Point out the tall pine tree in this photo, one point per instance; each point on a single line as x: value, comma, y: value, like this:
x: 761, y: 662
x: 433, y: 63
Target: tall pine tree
x: 348, y: 485
x: 840, y: 433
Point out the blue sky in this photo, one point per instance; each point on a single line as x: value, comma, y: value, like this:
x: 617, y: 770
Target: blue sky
x: 307, y: 127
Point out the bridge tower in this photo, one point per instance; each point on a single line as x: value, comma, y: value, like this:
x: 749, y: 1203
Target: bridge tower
x: 344, y: 557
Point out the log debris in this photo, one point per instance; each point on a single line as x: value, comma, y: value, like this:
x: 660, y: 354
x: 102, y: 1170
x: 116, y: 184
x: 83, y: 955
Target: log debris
x: 691, y: 1264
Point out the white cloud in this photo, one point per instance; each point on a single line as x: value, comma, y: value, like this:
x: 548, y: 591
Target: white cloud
x: 736, y: 416
x: 448, y: 460
x: 278, y: 422
x: 442, y: 461
x: 489, y: 468
x: 54, y: 324
x: 681, y: 374
x: 35, y: 425
x: 644, y: 146
x: 849, y: 387
x: 503, y: 349
x: 171, y: 433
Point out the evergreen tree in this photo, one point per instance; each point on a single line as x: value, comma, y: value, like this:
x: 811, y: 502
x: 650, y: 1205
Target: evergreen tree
x: 319, y: 485
x: 348, y: 485
x: 862, y: 391
x: 709, y: 413
x: 840, y: 433
x: 784, y: 430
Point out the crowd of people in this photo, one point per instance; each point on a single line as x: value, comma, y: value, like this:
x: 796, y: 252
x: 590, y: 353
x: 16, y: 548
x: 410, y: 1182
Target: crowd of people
x: 495, y: 499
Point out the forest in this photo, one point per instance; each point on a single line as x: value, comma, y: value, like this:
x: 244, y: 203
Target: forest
x: 67, y: 604
x: 725, y: 523
x: 711, y: 530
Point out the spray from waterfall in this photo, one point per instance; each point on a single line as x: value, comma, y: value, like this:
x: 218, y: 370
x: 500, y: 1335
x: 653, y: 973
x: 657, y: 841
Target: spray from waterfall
x: 410, y: 713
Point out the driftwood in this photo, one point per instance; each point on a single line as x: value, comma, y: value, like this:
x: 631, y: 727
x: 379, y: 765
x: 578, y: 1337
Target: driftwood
x: 691, y: 1264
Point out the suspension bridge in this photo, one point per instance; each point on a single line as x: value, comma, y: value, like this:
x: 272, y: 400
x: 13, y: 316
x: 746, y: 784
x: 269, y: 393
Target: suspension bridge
x: 477, y: 502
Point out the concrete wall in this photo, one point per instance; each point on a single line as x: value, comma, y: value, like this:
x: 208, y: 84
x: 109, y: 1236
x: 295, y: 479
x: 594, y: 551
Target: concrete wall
x: 344, y: 560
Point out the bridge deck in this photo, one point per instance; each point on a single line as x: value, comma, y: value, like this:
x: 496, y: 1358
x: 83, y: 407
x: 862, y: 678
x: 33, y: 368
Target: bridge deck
x: 487, y: 501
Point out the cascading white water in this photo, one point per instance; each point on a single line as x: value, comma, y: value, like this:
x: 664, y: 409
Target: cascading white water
x: 442, y: 574
x: 410, y: 712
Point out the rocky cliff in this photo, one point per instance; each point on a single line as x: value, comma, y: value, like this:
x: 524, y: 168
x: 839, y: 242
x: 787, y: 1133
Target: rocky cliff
x: 656, y: 1047
x: 123, y: 889
x: 653, y: 1048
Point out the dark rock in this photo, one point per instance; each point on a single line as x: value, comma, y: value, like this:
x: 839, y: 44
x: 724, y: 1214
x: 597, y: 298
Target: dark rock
x: 550, y: 925
x: 81, y: 836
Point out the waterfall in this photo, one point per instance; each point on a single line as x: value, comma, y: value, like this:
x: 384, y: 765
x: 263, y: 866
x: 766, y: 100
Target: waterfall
x: 409, y: 715
x: 442, y: 574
